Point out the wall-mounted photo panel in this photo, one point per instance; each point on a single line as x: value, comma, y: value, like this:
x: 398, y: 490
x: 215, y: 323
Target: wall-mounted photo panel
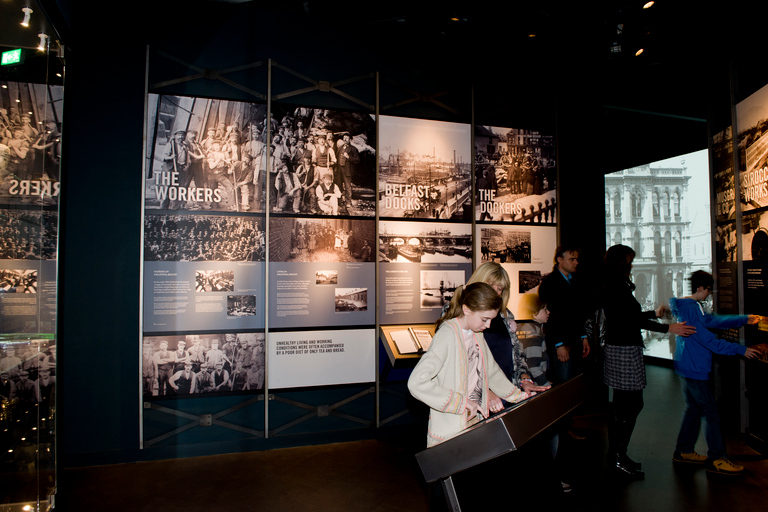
x: 754, y: 237
x: 723, y: 176
x: 421, y: 264
x: 515, y: 175
x: 189, y: 365
x: 525, y: 252
x: 424, y: 169
x: 725, y: 236
x: 752, y: 115
x: 203, y: 272
x: 756, y: 297
x: 28, y: 270
x: 30, y: 143
x: 205, y: 154
x: 323, y: 162
x: 321, y: 271
x: 321, y: 358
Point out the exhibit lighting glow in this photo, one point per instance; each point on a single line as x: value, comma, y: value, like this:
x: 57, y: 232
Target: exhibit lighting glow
x: 531, y: 35
x: 454, y: 19
x: 27, y: 14
x: 43, y: 39
x: 638, y: 52
x: 648, y: 5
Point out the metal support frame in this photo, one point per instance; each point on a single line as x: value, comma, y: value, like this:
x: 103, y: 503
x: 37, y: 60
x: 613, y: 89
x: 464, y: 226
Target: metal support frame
x: 393, y: 417
x: 209, y: 74
x: 426, y: 98
x: 201, y: 420
x: 323, y: 86
x: 320, y: 411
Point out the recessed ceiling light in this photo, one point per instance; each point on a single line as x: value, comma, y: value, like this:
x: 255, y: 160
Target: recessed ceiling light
x: 454, y: 19
x: 648, y: 5
x: 638, y: 52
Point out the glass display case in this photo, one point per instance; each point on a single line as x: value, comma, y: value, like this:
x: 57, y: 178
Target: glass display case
x: 31, y: 93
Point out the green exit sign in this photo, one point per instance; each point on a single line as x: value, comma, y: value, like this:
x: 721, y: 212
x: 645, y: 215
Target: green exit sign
x: 11, y: 57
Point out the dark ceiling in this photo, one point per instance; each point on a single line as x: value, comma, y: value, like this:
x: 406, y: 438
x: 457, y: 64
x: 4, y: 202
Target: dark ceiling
x: 523, y: 58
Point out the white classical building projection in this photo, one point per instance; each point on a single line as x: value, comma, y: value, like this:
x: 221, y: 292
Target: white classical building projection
x: 661, y: 210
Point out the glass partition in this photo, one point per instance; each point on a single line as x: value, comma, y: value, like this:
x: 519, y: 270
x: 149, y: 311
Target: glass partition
x: 661, y: 210
x: 31, y: 92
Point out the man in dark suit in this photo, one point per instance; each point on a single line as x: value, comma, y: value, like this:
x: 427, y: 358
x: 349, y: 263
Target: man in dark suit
x: 562, y: 292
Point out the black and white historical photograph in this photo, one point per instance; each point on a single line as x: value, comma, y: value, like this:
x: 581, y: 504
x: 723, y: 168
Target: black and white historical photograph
x: 18, y: 281
x: 424, y: 242
x: 183, y: 365
x: 515, y: 175
x: 505, y: 245
x: 327, y: 277
x: 301, y: 239
x: 723, y: 177
x: 752, y: 114
x: 30, y: 143
x: 241, y: 305
x: 424, y: 169
x: 323, y: 162
x: 205, y: 154
x: 28, y: 234
x: 725, y: 237
x: 214, y: 281
x: 436, y: 287
x: 351, y: 299
x: 754, y: 237
x: 528, y: 280
x: 203, y: 238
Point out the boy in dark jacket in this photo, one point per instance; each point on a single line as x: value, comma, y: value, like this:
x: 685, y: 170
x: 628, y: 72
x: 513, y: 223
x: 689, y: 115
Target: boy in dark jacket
x: 693, y: 364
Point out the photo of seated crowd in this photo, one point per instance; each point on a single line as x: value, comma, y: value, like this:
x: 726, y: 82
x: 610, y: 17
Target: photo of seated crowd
x: 202, y: 364
x: 203, y: 238
x: 30, y: 142
x: 28, y: 234
x: 213, y: 155
x: 327, y: 240
x: 27, y: 389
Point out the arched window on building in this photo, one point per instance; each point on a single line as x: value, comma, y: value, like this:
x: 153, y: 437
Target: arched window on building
x: 666, y: 205
x: 668, y: 246
x: 679, y: 285
x: 607, y: 206
x: 678, y: 245
x: 657, y: 244
x: 617, y: 238
x: 641, y: 288
x: 607, y: 240
x: 637, y: 245
x: 656, y: 206
x: 677, y: 204
x: 637, y: 209
x: 617, y: 206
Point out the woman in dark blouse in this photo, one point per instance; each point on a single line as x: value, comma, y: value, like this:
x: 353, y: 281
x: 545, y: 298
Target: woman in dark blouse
x: 624, y: 369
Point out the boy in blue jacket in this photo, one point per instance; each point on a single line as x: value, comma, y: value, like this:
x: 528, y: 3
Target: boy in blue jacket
x: 693, y: 364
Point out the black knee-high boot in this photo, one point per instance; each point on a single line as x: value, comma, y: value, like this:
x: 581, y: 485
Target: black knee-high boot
x: 619, y: 435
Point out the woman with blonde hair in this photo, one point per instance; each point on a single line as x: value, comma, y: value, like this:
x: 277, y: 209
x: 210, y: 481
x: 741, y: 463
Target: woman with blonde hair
x: 501, y: 336
x: 458, y: 376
